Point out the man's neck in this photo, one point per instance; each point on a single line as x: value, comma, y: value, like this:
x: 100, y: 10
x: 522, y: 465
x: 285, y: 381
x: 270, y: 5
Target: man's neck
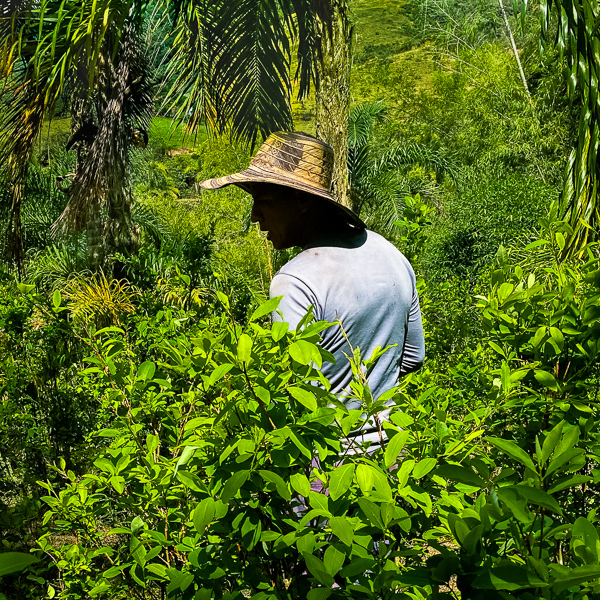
x: 330, y: 234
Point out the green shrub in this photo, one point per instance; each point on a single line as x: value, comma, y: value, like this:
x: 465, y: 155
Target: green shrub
x: 211, y: 455
x: 487, y: 211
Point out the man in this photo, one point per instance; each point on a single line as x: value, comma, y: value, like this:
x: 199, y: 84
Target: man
x: 345, y: 272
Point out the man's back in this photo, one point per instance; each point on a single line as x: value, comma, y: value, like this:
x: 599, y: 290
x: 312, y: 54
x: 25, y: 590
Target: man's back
x: 368, y: 285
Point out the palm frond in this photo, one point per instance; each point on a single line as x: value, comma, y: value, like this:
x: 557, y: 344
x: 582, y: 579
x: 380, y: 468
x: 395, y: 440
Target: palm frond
x: 577, y: 38
x: 102, y: 179
x: 363, y: 117
x: 40, y: 43
x: 53, y: 266
x: 402, y: 155
x: 231, y: 64
x: 42, y: 204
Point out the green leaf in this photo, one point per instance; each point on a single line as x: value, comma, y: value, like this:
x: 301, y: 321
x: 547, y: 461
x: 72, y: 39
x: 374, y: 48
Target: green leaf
x: 546, y: 379
x: 371, y: 511
x: 137, y: 551
x: 406, y: 467
x: 568, y: 482
x: 300, y: 483
x: 204, y: 513
x: 550, y: 442
x: 513, y: 451
x: 190, y: 480
x: 333, y: 560
x: 105, y: 465
x: 317, y: 569
x: 136, y: 524
x: 568, y: 441
x: 340, y: 480
x: 244, y: 347
x: 278, y: 330
x: 223, y: 299
x: 460, y: 474
x: 515, y: 503
x: 563, y: 458
x: 25, y: 288
x: 157, y: 569
x: 585, y: 542
x: 186, y: 455
x: 299, y: 442
x: 305, y: 352
x: 358, y: 566
x: 536, y: 496
x: 505, y: 377
x: 575, y: 577
x: 304, y: 397
x: 591, y: 315
x: 342, y: 528
x: 558, y: 337
x: 423, y: 467
x: 118, y: 483
x: 279, y: 483
x: 146, y: 371
x: 13, y: 562
x: 267, y: 307
x: 508, y: 577
x: 56, y: 299
x: 218, y: 373
x: 152, y: 442
x: 234, y: 483
x: 394, y: 447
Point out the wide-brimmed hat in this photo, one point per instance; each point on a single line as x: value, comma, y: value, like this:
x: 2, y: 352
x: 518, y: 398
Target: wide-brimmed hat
x: 293, y: 159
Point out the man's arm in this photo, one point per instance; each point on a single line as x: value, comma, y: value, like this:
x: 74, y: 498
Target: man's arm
x: 297, y: 297
x: 413, y: 353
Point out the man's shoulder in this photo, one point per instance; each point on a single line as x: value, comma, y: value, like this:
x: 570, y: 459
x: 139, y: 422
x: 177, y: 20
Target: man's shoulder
x: 328, y: 254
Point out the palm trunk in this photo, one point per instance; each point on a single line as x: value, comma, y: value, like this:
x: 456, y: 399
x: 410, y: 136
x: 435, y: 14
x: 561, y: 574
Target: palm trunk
x: 82, y: 112
x: 95, y: 242
x: 15, y: 250
x: 333, y: 94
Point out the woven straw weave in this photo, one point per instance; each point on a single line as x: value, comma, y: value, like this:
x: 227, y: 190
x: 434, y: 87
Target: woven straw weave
x: 295, y: 160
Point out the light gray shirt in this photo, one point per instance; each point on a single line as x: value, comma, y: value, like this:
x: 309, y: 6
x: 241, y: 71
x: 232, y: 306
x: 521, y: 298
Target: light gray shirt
x: 368, y: 285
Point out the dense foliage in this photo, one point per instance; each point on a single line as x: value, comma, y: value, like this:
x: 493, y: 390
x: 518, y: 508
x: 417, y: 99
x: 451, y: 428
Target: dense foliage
x: 159, y: 438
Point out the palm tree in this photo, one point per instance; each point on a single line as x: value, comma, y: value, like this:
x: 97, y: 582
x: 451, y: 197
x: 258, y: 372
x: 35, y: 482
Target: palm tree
x: 230, y: 70
x: 578, y: 38
x: 43, y: 46
x: 378, y: 179
x: 332, y: 97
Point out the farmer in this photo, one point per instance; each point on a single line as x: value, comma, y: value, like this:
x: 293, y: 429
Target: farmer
x: 347, y: 273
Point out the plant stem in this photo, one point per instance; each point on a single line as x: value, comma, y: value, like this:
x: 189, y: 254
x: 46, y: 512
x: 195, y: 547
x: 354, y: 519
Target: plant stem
x: 514, y: 48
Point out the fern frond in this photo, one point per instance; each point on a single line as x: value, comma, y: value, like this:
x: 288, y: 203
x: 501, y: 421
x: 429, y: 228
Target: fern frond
x: 97, y: 299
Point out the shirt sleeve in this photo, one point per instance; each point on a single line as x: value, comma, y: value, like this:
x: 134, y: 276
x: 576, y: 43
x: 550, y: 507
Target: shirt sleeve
x: 297, y: 298
x: 413, y: 353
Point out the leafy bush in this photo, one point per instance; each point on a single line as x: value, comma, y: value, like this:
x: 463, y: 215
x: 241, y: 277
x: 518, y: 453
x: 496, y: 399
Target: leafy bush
x: 483, y: 214
x: 209, y: 487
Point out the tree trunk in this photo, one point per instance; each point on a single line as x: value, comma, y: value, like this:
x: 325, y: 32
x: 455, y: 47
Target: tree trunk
x: 15, y: 250
x: 332, y: 95
x: 95, y: 242
x: 83, y: 112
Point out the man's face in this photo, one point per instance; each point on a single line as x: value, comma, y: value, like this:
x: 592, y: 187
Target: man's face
x: 278, y: 212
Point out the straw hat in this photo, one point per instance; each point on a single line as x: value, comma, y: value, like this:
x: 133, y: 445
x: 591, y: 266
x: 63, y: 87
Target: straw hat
x: 293, y: 159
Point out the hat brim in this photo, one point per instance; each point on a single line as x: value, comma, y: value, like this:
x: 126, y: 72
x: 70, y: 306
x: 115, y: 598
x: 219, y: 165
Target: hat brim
x: 250, y: 175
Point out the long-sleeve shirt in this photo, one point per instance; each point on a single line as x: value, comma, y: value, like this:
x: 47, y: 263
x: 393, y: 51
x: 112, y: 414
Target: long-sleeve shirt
x: 368, y: 285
